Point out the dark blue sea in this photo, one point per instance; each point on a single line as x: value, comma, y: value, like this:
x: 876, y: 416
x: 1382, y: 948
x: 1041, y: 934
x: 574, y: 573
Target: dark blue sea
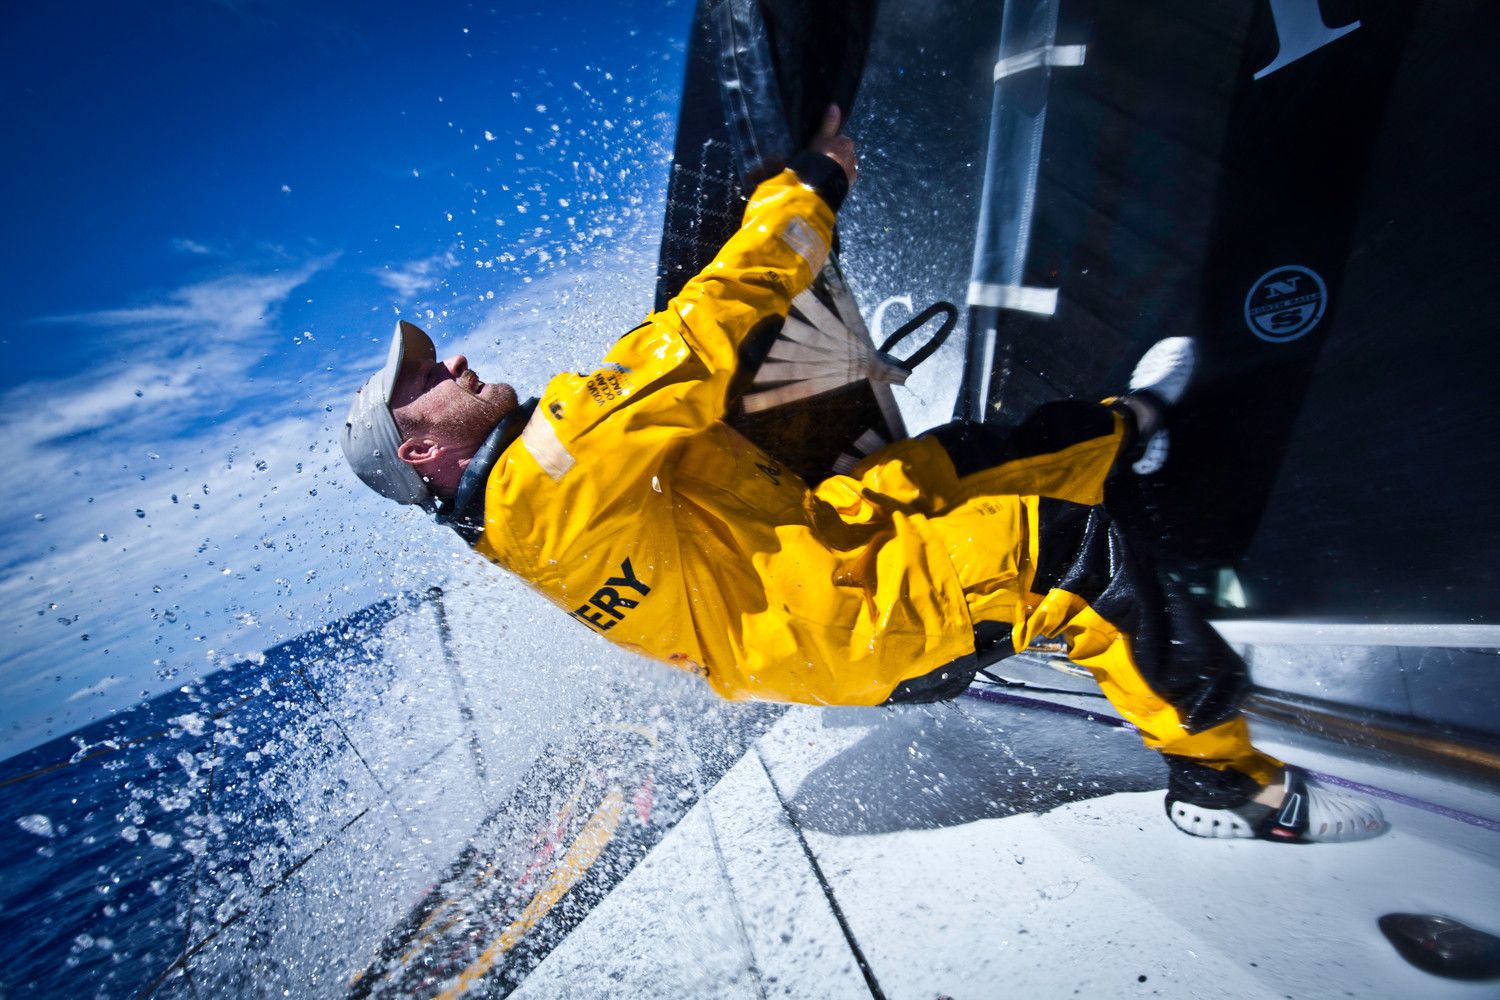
x: 136, y: 840
x: 271, y: 829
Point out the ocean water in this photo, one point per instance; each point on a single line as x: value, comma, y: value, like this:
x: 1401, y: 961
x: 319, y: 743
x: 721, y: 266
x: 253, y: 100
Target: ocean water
x: 131, y: 841
x: 289, y: 826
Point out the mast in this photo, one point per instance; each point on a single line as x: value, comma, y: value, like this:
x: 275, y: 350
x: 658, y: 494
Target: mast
x: 997, y: 284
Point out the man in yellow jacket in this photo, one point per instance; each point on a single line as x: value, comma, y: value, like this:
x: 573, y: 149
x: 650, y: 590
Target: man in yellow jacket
x: 623, y: 497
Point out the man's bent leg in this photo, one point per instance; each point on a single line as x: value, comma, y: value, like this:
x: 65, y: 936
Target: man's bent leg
x: 1066, y: 449
x: 1162, y: 666
x: 1159, y: 663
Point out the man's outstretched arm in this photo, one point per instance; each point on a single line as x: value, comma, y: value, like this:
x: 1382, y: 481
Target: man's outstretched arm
x: 781, y: 245
x: 672, y: 373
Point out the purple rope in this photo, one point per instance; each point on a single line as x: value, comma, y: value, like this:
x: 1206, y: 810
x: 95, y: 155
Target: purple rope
x: 1459, y: 815
x: 1407, y: 800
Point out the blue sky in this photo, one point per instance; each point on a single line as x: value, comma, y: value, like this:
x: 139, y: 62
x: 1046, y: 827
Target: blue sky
x: 215, y: 213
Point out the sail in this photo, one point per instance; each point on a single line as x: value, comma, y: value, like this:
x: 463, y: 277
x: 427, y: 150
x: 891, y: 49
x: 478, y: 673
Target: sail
x: 1299, y: 192
x: 813, y: 392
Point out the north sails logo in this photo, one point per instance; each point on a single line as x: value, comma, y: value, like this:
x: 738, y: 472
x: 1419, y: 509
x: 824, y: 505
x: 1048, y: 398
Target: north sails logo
x: 1285, y: 303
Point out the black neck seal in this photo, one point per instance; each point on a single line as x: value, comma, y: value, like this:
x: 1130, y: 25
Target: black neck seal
x: 465, y: 512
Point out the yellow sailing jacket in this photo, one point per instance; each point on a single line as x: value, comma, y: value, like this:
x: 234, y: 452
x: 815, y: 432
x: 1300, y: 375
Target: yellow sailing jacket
x: 632, y: 505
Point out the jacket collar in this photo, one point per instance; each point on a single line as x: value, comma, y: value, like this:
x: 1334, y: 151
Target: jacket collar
x: 465, y: 512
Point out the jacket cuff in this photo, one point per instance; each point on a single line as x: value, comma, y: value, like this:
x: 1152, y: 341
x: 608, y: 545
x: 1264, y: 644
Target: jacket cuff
x: 823, y: 174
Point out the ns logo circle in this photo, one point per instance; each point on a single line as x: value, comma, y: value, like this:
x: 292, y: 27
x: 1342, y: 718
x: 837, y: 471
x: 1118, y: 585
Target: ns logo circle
x: 1285, y: 303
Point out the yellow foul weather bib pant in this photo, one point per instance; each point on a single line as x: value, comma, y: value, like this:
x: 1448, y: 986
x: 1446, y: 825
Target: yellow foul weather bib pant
x: 1159, y: 663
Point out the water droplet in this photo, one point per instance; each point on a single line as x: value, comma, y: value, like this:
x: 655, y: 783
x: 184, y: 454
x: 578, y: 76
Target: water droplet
x: 36, y: 824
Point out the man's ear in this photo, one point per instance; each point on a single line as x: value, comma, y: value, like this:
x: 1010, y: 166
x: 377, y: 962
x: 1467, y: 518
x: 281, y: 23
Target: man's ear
x: 418, y: 452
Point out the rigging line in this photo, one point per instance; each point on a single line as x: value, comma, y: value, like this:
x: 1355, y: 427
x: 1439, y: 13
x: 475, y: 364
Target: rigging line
x: 342, y: 731
x: 104, y: 748
x: 460, y: 690
x: 104, y: 752
x: 411, y: 831
x: 734, y: 899
x: 208, y: 799
x: 181, y: 961
x: 838, y: 912
x: 432, y: 758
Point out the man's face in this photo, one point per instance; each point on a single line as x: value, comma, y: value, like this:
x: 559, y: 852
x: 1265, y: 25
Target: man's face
x: 445, y: 401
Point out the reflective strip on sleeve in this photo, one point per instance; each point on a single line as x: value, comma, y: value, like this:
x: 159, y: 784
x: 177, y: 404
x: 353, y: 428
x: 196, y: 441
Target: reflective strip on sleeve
x: 541, y: 440
x: 804, y: 239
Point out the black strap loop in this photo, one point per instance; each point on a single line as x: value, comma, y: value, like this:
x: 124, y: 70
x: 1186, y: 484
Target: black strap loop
x: 916, y: 323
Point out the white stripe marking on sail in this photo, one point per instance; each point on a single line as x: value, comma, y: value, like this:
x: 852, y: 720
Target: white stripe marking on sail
x: 823, y: 347
x: 848, y: 310
x: 1021, y: 298
x: 1047, y: 55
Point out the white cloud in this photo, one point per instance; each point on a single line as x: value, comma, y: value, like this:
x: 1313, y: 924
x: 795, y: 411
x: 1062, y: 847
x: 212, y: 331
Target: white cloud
x: 235, y: 304
x: 414, y: 277
x: 256, y: 549
x: 185, y: 245
x: 165, y: 514
x: 187, y: 357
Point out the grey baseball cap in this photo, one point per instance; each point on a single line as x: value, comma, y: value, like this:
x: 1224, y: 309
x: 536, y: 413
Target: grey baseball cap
x: 370, y: 433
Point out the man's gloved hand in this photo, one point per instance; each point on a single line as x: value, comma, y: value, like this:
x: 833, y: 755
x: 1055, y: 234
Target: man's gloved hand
x: 839, y: 148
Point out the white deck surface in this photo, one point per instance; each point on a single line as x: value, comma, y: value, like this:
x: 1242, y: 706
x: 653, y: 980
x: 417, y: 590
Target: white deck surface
x: 997, y: 851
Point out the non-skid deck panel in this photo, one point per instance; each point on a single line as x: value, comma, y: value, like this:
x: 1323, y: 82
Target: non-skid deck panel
x: 981, y: 848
